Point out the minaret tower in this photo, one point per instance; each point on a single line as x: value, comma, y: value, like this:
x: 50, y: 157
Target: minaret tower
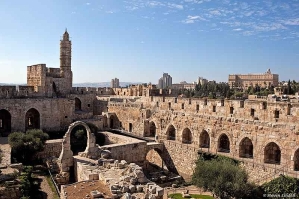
x: 66, y: 62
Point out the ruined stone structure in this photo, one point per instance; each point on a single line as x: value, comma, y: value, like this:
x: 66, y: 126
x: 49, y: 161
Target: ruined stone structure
x: 244, y: 81
x: 263, y: 133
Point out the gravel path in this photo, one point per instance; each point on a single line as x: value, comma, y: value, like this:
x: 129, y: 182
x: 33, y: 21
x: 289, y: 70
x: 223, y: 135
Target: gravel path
x: 5, y: 148
x: 45, y: 188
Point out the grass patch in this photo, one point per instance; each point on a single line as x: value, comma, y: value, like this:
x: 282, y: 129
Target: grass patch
x: 179, y: 196
x: 52, y: 187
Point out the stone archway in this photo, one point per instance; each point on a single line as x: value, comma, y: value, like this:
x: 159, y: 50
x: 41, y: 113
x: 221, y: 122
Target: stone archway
x: 223, y: 144
x: 65, y: 160
x: 272, y: 153
x: 296, y: 160
x: 5, y: 122
x: 152, y: 129
x: 171, y: 133
x: 246, y: 148
x: 204, y: 139
x: 186, y: 136
x: 111, y: 121
x: 32, y: 119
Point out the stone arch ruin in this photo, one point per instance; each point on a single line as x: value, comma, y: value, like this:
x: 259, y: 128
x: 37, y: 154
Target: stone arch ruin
x: 204, y: 139
x: 32, y: 119
x: 223, y: 143
x: 246, y: 148
x: 65, y: 160
x: 272, y: 153
x: 152, y: 129
x: 171, y: 133
x: 5, y: 122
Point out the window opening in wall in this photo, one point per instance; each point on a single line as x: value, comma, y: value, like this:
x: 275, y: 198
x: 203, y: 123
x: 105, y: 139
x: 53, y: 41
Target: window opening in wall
x: 183, y: 105
x: 222, y: 102
x: 175, y: 100
x: 88, y: 105
x: 169, y: 105
x: 205, y: 102
x: 130, y: 127
x: 157, y: 103
x: 214, y: 108
x: 29, y: 121
x: 190, y: 101
x: 142, y: 115
x: 152, y: 98
x: 163, y: 99
x: 241, y: 104
x: 231, y: 110
x: 289, y: 109
x: 252, y: 112
x: 264, y: 105
x: 197, y: 107
x: 276, y: 114
x: 1, y: 123
x: 120, y: 124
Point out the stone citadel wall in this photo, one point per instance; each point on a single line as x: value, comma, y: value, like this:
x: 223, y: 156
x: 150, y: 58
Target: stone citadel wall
x: 262, y: 122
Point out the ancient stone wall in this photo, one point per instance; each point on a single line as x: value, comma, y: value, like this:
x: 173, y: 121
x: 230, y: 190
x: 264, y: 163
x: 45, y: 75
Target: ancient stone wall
x: 10, y: 192
x: 54, y: 114
x: 262, y: 122
x: 52, y: 149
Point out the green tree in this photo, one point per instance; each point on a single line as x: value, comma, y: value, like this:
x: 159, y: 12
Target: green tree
x: 26, y: 145
x: 282, y: 185
x: 223, y: 177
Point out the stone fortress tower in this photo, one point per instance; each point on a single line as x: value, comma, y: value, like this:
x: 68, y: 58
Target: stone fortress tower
x: 53, y: 82
x: 66, y: 61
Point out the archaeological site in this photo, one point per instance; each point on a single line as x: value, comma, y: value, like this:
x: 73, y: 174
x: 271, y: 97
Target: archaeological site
x: 147, y: 138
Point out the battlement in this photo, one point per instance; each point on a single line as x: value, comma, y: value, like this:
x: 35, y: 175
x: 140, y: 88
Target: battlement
x: 92, y: 90
x: 53, y: 72
x: 17, y: 91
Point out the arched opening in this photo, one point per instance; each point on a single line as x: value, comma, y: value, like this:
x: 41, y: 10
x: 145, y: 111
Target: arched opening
x: 5, y: 122
x: 171, y: 133
x: 152, y: 129
x: 186, y: 136
x: 54, y: 88
x: 204, y: 140
x: 105, y: 123
x: 77, y: 104
x: 272, y: 153
x: 296, y: 160
x: 130, y: 127
x: 223, y: 144
x: 246, y: 148
x: 78, y: 138
x: 111, y: 120
x: 154, y: 166
x: 32, y: 119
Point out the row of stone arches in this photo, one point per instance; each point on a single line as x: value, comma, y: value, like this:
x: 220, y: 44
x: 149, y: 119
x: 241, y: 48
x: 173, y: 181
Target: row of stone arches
x: 272, y: 152
x: 32, y: 120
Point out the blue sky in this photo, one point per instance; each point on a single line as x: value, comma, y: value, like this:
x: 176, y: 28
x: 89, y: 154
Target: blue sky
x: 138, y: 40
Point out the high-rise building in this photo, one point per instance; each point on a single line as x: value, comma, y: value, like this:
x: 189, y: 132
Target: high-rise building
x: 165, y: 81
x: 115, y: 83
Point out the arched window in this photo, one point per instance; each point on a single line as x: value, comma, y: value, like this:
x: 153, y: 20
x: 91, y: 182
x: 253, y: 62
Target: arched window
x: 272, y: 153
x: 223, y: 144
x: 204, y: 140
x: 171, y: 133
x: 77, y: 104
x: 246, y: 148
x: 186, y: 136
x: 32, y: 119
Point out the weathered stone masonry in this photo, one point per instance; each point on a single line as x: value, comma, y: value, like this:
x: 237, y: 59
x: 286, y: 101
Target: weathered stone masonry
x: 264, y: 130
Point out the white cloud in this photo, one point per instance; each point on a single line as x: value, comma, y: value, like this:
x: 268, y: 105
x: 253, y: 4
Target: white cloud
x: 291, y: 22
x: 215, y: 12
x: 192, y: 19
x: 88, y: 4
x: 177, y: 6
x: 237, y: 29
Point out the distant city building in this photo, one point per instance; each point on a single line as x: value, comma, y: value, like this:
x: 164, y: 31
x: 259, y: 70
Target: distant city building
x: 201, y: 80
x: 184, y: 85
x: 115, y: 83
x: 266, y: 79
x: 165, y: 81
